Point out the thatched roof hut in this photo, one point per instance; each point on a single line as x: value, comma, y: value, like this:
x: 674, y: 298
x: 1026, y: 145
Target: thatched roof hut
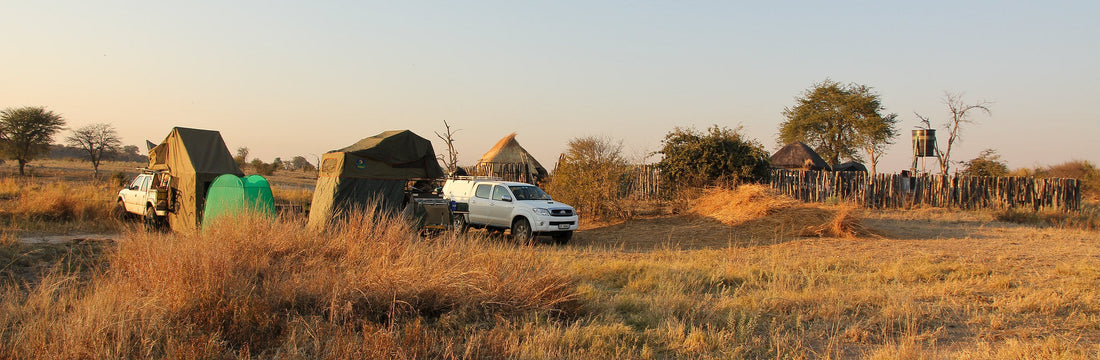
x: 850, y: 166
x: 798, y: 156
x: 508, y: 160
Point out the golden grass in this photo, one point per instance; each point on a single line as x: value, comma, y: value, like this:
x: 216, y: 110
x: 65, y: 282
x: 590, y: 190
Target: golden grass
x: 758, y: 210
x: 936, y: 284
x: 43, y: 205
x: 274, y: 289
x: 292, y: 196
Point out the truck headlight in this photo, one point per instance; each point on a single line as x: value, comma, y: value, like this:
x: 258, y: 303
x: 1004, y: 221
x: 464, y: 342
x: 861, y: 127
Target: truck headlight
x: 541, y: 211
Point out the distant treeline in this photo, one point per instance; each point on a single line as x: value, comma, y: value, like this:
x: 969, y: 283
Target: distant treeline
x: 128, y: 153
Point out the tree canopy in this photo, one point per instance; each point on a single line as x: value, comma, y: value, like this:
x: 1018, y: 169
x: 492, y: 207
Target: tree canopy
x: 838, y: 121
x: 26, y: 133
x: 988, y: 163
x: 590, y: 174
x: 718, y: 155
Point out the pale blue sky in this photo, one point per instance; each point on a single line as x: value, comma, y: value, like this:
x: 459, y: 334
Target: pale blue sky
x: 302, y: 78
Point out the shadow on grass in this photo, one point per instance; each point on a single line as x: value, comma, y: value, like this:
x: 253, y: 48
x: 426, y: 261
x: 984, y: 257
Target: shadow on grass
x: 686, y: 232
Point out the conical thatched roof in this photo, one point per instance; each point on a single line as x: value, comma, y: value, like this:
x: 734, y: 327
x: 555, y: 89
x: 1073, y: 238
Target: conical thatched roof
x: 508, y: 151
x: 798, y: 156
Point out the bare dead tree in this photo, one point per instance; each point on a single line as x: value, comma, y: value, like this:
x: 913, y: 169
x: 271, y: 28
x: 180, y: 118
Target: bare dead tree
x: 96, y: 140
x: 960, y: 114
x: 452, y: 155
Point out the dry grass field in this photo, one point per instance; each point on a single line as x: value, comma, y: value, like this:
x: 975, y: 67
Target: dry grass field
x: 738, y: 274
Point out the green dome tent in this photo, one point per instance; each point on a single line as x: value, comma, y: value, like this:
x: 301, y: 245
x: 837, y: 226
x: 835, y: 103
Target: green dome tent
x: 231, y: 195
x: 373, y: 171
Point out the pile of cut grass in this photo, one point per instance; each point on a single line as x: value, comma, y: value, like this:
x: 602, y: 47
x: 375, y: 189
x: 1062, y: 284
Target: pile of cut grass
x: 370, y: 289
x: 760, y: 211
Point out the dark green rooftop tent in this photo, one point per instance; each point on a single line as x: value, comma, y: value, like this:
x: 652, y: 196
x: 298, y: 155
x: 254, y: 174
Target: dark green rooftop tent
x: 373, y: 170
x: 194, y: 158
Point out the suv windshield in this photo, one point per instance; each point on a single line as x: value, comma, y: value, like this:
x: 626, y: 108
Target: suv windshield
x: 529, y: 193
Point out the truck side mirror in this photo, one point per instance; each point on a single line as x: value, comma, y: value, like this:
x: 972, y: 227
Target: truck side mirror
x: 506, y: 198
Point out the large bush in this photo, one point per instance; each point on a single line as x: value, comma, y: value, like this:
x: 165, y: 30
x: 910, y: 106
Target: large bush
x: 988, y: 163
x: 719, y: 156
x: 590, y: 175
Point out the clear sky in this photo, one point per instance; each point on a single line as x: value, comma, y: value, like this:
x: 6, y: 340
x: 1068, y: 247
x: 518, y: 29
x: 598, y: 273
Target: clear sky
x: 288, y: 78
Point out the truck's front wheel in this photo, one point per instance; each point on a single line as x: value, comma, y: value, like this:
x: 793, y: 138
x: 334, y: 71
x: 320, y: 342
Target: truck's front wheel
x: 521, y: 231
x: 120, y: 210
x: 459, y: 223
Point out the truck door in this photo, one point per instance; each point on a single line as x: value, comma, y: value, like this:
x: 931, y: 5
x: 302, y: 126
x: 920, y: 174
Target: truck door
x: 143, y: 193
x: 500, y: 211
x: 480, y: 204
x: 132, y: 197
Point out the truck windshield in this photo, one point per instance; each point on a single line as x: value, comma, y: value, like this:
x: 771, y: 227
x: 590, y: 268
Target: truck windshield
x: 529, y: 193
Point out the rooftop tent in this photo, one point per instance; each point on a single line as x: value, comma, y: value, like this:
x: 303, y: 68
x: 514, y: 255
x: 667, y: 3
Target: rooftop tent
x: 507, y: 156
x: 373, y: 170
x: 231, y: 195
x: 798, y: 156
x: 850, y: 166
x: 194, y: 158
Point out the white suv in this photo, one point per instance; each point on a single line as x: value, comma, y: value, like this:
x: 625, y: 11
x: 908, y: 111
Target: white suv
x: 146, y: 197
x: 497, y: 205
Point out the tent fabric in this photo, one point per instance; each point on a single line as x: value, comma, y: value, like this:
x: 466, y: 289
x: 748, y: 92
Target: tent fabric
x: 194, y: 158
x: 850, y: 166
x: 394, y: 147
x: 231, y: 196
x: 798, y: 156
x: 509, y: 151
x: 371, y: 172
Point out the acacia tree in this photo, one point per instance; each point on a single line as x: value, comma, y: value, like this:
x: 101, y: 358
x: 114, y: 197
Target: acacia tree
x: 26, y: 133
x: 960, y: 114
x: 300, y: 163
x: 95, y: 140
x: 838, y: 121
x: 242, y: 156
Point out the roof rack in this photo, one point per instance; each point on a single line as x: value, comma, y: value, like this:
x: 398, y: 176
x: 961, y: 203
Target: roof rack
x: 145, y: 170
x: 491, y: 178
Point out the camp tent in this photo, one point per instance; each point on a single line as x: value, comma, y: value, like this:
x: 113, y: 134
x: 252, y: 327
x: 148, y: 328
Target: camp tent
x: 194, y: 158
x: 373, y: 170
x: 850, y: 166
x: 798, y: 156
x: 509, y: 160
x: 231, y: 195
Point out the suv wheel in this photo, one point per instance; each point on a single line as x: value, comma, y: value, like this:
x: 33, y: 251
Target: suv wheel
x: 459, y: 223
x: 151, y: 220
x: 562, y: 237
x: 521, y: 232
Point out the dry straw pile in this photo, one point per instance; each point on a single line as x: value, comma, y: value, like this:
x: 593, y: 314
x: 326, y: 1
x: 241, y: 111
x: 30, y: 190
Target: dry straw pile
x: 759, y: 210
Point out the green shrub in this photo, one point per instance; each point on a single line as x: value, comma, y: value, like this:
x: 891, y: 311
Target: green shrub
x: 720, y: 156
x: 590, y: 175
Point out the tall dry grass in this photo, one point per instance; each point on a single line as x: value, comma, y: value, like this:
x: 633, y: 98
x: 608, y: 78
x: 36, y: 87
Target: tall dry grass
x: 44, y: 205
x: 370, y: 289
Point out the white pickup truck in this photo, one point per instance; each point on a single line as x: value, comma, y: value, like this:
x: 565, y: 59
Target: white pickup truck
x: 497, y: 205
x: 146, y: 196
